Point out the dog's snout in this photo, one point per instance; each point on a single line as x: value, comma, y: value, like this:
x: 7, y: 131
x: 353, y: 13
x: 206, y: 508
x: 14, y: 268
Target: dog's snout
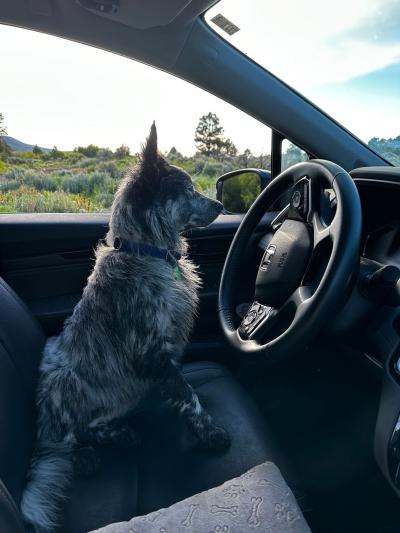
x: 215, y: 205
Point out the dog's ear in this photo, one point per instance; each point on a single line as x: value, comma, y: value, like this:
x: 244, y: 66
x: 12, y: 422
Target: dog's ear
x: 153, y: 164
x: 149, y: 159
x: 152, y: 168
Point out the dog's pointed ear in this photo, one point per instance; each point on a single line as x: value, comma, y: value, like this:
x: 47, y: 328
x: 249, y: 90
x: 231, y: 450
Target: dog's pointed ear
x: 149, y: 150
x: 152, y: 164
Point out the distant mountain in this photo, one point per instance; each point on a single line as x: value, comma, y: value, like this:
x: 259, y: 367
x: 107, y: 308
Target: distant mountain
x: 19, y: 146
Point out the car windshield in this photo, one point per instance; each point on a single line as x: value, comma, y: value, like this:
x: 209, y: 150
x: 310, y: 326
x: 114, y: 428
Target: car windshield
x: 343, y: 56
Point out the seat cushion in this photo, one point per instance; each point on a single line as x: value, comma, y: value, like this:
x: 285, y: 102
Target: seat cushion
x: 168, y: 467
x: 259, y: 499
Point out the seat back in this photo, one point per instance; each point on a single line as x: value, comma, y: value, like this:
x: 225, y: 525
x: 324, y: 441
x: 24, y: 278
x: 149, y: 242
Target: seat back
x: 10, y: 520
x: 21, y: 344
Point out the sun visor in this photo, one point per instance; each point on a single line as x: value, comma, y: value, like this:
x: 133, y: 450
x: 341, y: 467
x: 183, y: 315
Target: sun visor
x: 136, y: 13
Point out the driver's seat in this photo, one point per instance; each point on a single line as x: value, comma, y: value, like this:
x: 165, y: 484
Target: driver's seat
x: 128, y: 483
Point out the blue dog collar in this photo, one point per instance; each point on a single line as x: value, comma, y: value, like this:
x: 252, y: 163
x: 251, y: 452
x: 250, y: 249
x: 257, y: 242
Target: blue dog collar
x: 147, y: 249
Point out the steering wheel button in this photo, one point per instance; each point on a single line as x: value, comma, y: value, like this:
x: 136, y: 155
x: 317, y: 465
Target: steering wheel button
x: 250, y: 317
x: 296, y: 199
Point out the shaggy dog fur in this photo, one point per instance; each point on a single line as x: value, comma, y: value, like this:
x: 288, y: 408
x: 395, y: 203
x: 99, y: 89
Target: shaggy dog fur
x: 124, y: 337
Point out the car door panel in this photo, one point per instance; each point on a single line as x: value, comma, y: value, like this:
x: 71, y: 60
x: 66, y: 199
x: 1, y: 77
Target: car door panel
x: 47, y: 259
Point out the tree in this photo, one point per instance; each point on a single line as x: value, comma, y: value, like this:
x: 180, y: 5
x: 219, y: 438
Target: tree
x: 292, y: 156
x: 55, y: 153
x: 36, y: 150
x: 3, y: 129
x: 245, y: 158
x: 228, y: 148
x: 263, y: 161
x: 122, y: 151
x: 209, y: 135
x: 4, y: 148
x: 174, y: 154
x: 388, y: 148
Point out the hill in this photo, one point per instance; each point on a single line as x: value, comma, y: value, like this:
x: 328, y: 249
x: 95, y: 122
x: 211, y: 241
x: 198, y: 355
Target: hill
x: 19, y: 146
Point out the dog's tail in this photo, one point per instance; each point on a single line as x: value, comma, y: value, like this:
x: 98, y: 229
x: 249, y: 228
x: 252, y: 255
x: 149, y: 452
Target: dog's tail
x: 49, y: 478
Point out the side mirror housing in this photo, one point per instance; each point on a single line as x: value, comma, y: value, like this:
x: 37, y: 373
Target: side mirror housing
x: 237, y: 190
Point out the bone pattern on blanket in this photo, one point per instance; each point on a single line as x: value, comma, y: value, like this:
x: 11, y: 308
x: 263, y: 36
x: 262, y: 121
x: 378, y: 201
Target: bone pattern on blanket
x: 259, y: 500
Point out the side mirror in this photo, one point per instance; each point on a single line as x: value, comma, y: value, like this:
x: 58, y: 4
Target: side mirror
x: 237, y: 190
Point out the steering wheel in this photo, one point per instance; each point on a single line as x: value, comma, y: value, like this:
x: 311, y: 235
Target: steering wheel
x: 308, y: 268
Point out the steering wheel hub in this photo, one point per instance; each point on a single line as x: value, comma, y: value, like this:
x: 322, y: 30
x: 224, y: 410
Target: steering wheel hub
x: 284, y: 263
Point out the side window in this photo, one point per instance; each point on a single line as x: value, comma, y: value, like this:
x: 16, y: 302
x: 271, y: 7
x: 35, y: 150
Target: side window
x: 292, y: 154
x: 69, y: 134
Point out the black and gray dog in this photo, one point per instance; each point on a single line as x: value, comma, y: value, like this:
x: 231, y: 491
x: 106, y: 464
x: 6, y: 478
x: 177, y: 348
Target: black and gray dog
x: 126, y: 334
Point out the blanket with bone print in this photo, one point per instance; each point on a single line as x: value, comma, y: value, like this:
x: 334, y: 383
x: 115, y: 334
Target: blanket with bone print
x: 258, y: 501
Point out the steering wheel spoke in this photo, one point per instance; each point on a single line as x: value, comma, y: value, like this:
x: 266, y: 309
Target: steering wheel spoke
x: 261, y: 321
x: 299, y: 298
x: 320, y: 232
x: 297, y: 304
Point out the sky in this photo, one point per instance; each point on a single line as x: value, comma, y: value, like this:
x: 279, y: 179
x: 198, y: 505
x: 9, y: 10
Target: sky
x: 343, y: 55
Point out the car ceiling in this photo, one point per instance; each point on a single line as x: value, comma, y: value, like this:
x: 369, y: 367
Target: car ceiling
x: 172, y: 36
x: 153, y: 31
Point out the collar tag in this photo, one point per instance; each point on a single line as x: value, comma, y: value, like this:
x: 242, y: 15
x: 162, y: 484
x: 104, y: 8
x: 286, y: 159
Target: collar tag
x: 177, y: 272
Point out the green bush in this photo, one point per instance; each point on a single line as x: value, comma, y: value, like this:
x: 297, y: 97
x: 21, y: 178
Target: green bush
x: 122, y: 152
x: 4, y: 167
x: 29, y: 200
x: 206, y: 185
x: 89, y: 151
x: 111, y: 169
x: 9, y: 185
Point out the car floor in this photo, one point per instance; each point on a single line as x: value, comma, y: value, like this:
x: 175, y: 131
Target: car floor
x: 321, y: 407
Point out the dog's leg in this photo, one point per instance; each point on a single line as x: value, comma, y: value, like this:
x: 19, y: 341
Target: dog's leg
x: 180, y: 395
x: 112, y: 432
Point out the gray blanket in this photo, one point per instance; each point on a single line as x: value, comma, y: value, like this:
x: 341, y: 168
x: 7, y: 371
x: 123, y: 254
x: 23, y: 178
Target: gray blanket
x: 258, y: 501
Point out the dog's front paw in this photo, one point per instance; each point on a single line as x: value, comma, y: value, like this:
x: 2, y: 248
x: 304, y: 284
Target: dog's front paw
x: 127, y: 437
x: 215, y: 438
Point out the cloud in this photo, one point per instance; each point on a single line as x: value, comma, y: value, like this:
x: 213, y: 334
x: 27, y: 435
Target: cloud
x: 384, y: 81
x: 381, y: 27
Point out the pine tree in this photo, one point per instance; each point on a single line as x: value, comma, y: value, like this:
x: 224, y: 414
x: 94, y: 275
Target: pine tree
x: 209, y: 135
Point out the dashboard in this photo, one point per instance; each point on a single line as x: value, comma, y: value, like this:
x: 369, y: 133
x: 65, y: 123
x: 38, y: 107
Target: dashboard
x: 379, y: 190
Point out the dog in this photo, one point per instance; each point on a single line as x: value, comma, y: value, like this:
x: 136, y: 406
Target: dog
x: 125, y: 336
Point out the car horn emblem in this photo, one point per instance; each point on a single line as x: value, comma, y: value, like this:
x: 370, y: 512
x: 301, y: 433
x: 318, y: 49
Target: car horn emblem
x: 267, y: 257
